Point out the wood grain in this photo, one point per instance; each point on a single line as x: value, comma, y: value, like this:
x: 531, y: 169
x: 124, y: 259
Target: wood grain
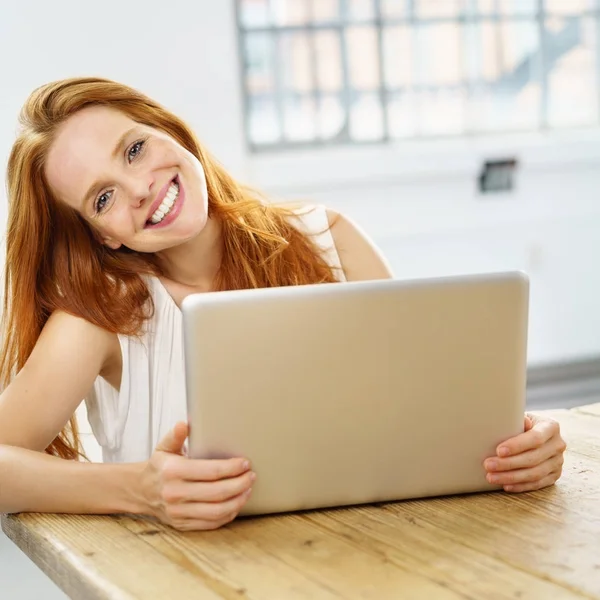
x: 494, y: 546
x: 95, y: 558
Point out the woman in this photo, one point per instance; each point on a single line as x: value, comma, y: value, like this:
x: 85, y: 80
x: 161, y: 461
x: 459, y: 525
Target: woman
x: 116, y: 214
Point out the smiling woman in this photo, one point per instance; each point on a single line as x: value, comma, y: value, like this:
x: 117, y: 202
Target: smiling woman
x: 117, y: 213
x: 146, y: 192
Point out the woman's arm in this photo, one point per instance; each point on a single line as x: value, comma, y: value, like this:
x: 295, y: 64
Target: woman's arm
x: 32, y: 481
x: 70, y: 354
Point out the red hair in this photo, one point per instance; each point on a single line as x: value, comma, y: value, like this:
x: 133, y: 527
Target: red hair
x: 55, y: 262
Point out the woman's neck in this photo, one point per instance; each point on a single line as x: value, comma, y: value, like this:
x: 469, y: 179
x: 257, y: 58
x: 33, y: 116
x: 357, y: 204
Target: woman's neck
x: 195, y: 263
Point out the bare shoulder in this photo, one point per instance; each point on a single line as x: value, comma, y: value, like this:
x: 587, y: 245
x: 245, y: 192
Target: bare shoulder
x: 68, y: 356
x: 60, y: 318
x: 75, y: 325
x: 67, y: 335
x: 361, y: 259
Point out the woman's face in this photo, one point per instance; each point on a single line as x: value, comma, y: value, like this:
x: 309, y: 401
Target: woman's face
x: 136, y: 185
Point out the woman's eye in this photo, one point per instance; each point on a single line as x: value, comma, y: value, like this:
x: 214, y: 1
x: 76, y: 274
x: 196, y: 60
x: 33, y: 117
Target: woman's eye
x: 102, y: 201
x: 135, y: 150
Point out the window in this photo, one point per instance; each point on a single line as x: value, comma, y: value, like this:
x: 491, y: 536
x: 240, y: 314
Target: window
x: 325, y: 72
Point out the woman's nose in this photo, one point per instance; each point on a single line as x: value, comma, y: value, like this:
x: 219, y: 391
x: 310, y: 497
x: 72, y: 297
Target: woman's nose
x: 139, y: 189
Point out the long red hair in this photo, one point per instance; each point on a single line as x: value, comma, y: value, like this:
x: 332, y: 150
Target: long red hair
x: 54, y: 260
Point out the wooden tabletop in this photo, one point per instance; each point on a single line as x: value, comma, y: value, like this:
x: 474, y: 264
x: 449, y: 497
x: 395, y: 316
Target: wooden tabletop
x: 541, y: 545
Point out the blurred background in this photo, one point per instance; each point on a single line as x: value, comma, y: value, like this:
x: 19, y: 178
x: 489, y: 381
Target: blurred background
x: 462, y: 135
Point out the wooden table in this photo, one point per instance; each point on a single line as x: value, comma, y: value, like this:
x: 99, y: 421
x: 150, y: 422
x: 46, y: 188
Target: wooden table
x: 543, y: 545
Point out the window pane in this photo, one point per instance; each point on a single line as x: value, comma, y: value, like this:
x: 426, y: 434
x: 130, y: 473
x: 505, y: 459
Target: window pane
x: 360, y: 10
x: 366, y: 118
x: 507, y: 93
x: 489, y: 41
x: 299, y: 118
x: 496, y: 109
x: 260, y: 70
x: 296, y: 58
x: 511, y: 51
x: 568, y: 7
x: 473, y: 64
x: 442, y: 112
x: 363, y: 57
x: 263, y: 122
x: 520, y: 49
x: 402, y: 115
x: 394, y: 9
x: 331, y: 117
x: 438, y: 54
x: 329, y: 63
x: 325, y: 10
x: 289, y: 12
x: 254, y: 13
x: 397, y: 47
x: 508, y: 7
x: 572, y: 81
x: 519, y: 7
x: 438, y: 8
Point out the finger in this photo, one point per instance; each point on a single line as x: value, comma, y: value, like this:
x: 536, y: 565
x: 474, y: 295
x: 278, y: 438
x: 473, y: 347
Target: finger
x: 526, y: 475
x: 527, y: 459
x: 529, y: 419
x: 199, y: 525
x: 531, y: 486
x: 174, y: 440
x: 536, y: 437
x: 214, y: 512
x: 214, y: 491
x: 197, y: 469
x: 222, y: 510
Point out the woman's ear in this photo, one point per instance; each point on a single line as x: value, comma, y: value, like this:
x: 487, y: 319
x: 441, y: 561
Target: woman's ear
x: 112, y: 244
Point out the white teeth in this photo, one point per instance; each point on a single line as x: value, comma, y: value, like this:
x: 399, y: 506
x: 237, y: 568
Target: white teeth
x: 166, y: 204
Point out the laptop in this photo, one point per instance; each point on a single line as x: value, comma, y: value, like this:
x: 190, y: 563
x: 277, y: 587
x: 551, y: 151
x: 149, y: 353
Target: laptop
x: 358, y: 392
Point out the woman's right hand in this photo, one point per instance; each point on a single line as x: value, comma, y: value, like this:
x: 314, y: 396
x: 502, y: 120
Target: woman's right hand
x: 193, y: 494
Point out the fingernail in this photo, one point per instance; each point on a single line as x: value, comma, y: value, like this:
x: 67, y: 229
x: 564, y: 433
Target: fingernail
x: 246, y: 465
x: 252, y: 476
x: 503, y: 451
x: 509, y: 488
x: 491, y: 465
x: 248, y: 491
x: 491, y: 478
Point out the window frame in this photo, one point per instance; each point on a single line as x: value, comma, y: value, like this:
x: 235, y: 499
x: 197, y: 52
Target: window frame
x: 465, y: 144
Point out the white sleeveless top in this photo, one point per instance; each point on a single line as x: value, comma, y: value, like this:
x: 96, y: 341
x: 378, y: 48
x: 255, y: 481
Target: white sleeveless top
x: 129, y: 423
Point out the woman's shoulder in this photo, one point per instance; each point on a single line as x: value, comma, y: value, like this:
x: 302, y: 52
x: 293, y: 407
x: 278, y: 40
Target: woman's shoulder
x: 68, y: 327
x: 359, y: 256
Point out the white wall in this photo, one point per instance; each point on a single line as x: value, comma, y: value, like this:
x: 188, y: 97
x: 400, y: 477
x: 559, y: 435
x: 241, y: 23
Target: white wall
x: 418, y: 201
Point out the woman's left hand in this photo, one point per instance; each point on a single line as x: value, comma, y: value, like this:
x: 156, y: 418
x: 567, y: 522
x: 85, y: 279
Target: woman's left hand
x: 531, y: 460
